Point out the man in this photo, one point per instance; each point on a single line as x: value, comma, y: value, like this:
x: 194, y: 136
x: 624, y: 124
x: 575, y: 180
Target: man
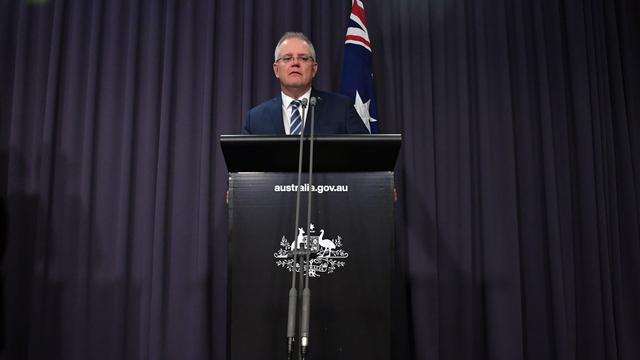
x: 295, y: 67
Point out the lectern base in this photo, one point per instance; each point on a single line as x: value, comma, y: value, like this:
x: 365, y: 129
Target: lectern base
x: 352, y: 217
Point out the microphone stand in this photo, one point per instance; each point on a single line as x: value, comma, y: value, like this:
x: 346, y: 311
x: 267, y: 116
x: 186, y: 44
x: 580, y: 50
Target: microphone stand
x: 306, y: 292
x: 293, y: 291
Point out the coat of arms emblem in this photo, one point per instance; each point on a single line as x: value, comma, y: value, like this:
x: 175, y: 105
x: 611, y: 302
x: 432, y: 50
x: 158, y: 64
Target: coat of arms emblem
x: 325, y: 254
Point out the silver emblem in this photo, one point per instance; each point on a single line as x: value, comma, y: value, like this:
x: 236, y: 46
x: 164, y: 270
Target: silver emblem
x: 325, y: 254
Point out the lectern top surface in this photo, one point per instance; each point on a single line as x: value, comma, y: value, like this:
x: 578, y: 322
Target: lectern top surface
x: 332, y: 153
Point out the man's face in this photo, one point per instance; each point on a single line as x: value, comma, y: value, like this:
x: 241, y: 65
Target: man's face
x: 296, y: 75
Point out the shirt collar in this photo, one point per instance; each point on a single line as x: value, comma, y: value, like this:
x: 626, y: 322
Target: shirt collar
x: 286, y: 100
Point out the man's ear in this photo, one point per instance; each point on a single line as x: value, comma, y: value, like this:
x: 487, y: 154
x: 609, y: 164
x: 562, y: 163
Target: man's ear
x: 275, y: 70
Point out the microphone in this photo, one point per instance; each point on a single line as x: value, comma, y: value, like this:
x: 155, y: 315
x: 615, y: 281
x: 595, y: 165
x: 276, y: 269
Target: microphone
x: 293, y: 291
x: 306, y: 292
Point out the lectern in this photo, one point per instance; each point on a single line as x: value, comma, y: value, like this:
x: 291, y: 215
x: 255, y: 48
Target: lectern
x: 352, y: 228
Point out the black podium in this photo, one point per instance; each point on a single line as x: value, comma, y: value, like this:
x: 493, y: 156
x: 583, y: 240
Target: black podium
x: 352, y: 229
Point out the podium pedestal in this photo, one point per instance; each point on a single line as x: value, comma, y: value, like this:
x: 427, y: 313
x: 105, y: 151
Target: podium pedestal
x: 351, y: 287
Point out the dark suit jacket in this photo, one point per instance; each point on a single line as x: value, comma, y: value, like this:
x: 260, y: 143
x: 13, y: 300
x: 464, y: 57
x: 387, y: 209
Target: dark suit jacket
x: 335, y: 114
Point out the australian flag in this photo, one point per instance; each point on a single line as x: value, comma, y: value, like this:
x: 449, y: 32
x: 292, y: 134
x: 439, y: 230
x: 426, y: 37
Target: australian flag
x: 357, y: 73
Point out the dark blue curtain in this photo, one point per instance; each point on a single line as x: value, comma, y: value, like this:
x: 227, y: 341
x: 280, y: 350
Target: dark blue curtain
x: 518, y: 182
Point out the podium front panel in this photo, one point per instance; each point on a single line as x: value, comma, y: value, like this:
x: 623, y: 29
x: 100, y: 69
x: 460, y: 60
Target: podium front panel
x: 350, y: 292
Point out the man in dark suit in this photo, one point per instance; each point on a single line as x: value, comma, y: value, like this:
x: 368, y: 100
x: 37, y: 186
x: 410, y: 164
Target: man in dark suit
x: 295, y: 67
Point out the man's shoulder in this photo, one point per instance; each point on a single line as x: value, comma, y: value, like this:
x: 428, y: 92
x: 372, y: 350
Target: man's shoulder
x: 330, y: 96
x: 266, y: 105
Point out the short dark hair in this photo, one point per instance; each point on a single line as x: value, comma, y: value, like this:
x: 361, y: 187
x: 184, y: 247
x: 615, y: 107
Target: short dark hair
x: 294, y: 35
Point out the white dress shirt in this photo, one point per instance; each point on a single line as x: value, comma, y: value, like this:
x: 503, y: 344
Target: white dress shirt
x: 287, y: 110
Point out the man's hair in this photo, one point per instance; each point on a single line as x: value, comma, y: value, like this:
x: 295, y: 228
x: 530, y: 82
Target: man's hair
x: 294, y: 35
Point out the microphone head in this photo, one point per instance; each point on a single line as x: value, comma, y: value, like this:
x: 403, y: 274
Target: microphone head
x: 304, y: 102
x: 313, y: 101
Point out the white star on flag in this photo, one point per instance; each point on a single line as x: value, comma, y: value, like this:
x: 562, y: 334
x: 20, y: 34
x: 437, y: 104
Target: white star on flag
x: 363, y: 110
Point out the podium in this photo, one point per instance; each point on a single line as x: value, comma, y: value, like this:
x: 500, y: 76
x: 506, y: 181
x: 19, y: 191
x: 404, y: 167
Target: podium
x: 353, y: 229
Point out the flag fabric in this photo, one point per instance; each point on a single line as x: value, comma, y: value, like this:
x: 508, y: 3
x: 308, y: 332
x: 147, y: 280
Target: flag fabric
x: 357, y: 69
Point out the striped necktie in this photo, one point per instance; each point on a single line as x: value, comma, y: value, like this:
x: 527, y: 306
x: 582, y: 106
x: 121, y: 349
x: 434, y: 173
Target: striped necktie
x: 296, y: 119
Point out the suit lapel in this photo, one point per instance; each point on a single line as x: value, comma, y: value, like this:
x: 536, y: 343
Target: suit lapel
x: 319, y: 107
x: 275, y: 115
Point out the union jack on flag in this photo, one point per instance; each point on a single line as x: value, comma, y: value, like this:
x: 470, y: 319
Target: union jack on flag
x: 357, y: 73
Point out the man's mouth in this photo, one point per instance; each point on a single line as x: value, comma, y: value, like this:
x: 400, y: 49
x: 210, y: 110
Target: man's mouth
x: 295, y: 73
